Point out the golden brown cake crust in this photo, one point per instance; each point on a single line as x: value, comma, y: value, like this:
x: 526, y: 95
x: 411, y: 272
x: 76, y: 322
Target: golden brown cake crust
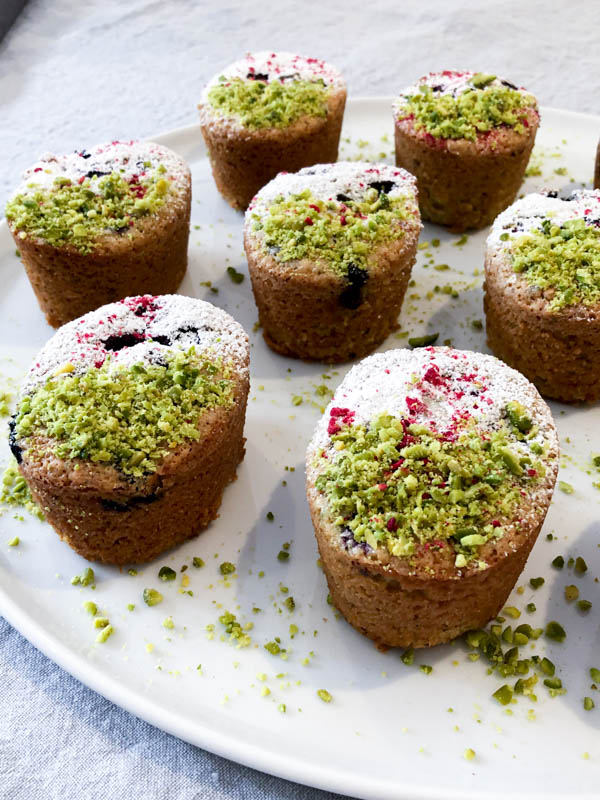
x: 465, y: 184
x: 299, y: 307
x: 426, y: 600
x: 244, y: 160
x: 559, y: 351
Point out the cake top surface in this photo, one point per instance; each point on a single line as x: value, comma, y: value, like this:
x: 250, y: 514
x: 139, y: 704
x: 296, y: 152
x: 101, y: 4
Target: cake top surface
x: 270, y: 90
x: 74, y: 199
x: 131, y: 159
x: 334, y: 215
x: 454, y: 104
x: 282, y: 67
x: 432, y: 448
x: 351, y: 179
x: 138, y: 330
x: 553, y: 244
x: 438, y: 386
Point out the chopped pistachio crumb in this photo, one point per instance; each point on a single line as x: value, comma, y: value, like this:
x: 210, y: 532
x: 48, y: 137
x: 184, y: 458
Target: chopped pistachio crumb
x: 168, y: 622
x: 130, y: 606
x: 273, y: 648
x: 270, y: 516
x: 426, y: 669
x: 423, y: 341
x: 564, y: 259
x: 236, y: 277
x: 324, y: 695
x: 129, y: 417
x: 584, y: 605
x: 512, y: 612
x: 167, y: 574
x: 76, y: 214
x: 530, y: 608
x: 378, y: 499
x: 535, y: 583
x: 104, y: 634
x: 565, y: 487
x: 595, y: 674
x: 480, y: 109
x: 558, y: 562
x: 580, y: 565
x: 238, y: 635
x: 337, y: 234
x: 283, y: 555
x: 258, y: 104
x: 14, y: 542
x: 504, y: 694
x: 571, y: 593
x: 198, y: 562
x: 226, y: 568
x: 90, y: 607
x: 289, y: 603
x: 14, y: 491
x: 588, y: 703
x: 555, y: 632
x: 469, y: 754
x: 152, y: 597
x: 101, y: 622
x: 282, y: 708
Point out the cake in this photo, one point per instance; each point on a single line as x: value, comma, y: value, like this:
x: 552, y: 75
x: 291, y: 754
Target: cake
x: 542, y: 292
x: 129, y: 425
x: 98, y: 225
x: 330, y: 251
x: 467, y: 138
x: 428, y: 480
x: 267, y: 113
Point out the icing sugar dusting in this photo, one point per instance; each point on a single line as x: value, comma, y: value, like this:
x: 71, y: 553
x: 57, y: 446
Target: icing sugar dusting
x: 131, y: 159
x: 123, y: 330
x: 529, y: 213
x: 435, y: 386
x: 326, y: 181
x: 283, y: 67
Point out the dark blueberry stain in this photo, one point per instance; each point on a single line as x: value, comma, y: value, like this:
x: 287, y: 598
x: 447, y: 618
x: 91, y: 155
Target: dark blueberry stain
x: 142, y: 309
x: 161, y: 339
x: 342, y: 198
x: 122, y: 340
x: 12, y: 441
x: 350, y: 542
x: 134, y: 502
x: 351, y: 297
x: 96, y: 173
x: 383, y: 187
x: 122, y: 229
x: 85, y: 154
x: 509, y: 84
x: 257, y: 76
x: 552, y: 194
x: 437, y: 88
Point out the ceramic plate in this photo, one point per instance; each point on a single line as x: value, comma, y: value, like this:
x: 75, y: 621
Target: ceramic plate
x: 390, y: 730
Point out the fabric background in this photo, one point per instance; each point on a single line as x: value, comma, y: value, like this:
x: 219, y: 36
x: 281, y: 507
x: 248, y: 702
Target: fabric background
x: 76, y: 72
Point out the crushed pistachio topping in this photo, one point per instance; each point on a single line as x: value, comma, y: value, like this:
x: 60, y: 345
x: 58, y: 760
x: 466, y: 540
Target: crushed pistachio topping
x: 78, y: 213
x: 340, y: 233
x: 563, y: 260
x: 14, y: 491
x: 475, y: 104
x: 402, y: 485
x: 127, y: 417
x: 257, y: 103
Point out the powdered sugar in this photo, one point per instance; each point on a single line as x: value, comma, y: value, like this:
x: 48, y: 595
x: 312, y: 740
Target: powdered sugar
x: 131, y: 159
x: 435, y: 386
x: 123, y: 330
x: 452, y: 83
x: 283, y: 67
x: 352, y: 179
x: 529, y: 213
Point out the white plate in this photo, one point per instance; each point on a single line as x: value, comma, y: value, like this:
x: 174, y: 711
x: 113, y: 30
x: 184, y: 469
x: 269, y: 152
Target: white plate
x: 388, y: 732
